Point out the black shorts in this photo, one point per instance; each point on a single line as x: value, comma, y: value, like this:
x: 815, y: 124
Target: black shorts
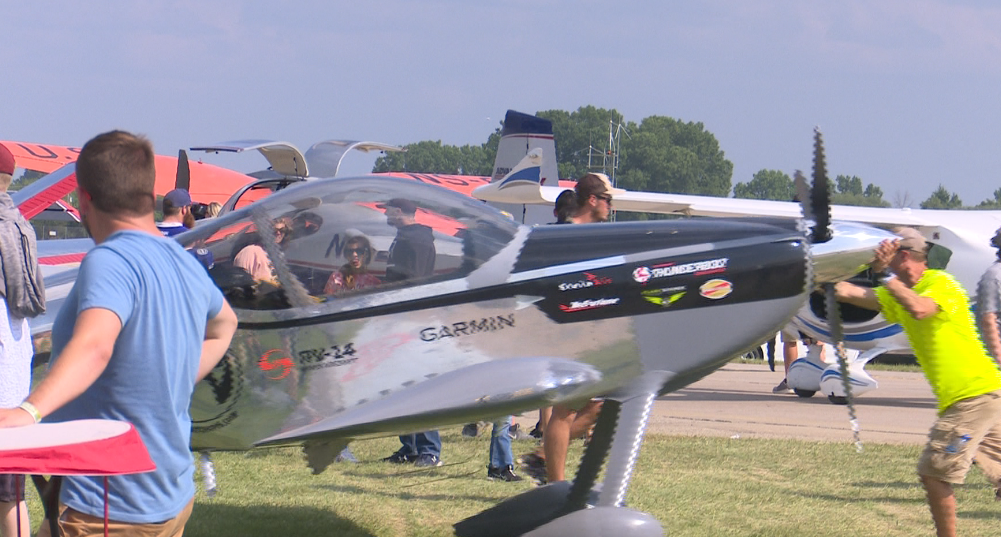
x: 8, y: 490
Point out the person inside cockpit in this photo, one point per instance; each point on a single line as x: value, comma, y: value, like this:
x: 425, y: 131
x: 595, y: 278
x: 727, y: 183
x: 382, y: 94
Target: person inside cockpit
x: 354, y: 274
x: 254, y: 259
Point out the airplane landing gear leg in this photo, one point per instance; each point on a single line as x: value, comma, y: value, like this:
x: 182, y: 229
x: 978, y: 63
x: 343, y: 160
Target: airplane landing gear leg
x: 586, y: 508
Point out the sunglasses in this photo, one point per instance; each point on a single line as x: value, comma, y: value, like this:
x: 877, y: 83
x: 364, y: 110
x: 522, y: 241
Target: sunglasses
x: 608, y: 199
x: 356, y: 251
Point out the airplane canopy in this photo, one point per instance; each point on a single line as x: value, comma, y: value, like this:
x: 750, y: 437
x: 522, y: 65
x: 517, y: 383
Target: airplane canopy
x: 321, y: 217
x: 283, y: 157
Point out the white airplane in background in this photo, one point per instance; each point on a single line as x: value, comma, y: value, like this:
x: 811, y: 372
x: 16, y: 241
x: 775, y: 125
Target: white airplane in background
x: 961, y: 242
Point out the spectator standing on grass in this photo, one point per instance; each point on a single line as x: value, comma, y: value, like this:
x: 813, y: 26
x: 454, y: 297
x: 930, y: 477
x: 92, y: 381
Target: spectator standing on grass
x: 932, y: 308
x: 411, y: 256
x: 22, y: 295
x: 141, y: 325
x: 593, y: 194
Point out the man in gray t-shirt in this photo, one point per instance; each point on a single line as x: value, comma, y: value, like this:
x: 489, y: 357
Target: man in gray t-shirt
x: 989, y: 304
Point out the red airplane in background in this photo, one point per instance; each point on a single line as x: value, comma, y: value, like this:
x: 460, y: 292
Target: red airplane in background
x: 205, y: 182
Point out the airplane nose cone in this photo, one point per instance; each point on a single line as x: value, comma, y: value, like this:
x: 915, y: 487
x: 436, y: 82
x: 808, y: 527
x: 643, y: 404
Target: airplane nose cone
x: 849, y: 252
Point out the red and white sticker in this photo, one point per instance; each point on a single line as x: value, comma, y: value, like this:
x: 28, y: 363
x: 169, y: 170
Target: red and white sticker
x: 698, y: 268
x: 581, y: 305
x: 716, y: 289
x: 641, y: 274
x: 590, y: 280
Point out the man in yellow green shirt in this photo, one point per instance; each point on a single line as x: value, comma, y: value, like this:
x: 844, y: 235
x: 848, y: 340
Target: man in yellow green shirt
x: 933, y: 309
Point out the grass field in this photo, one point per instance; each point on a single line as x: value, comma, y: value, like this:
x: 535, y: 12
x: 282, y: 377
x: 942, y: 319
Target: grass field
x: 694, y: 486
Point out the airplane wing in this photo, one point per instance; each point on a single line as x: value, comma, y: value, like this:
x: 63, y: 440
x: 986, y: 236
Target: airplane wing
x: 43, y: 158
x: 731, y: 207
x: 530, y: 192
x: 36, y: 197
x: 477, y: 390
x: 208, y: 183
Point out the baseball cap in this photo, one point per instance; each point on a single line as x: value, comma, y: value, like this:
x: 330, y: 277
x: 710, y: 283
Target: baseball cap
x: 911, y: 239
x: 6, y: 160
x: 406, y: 206
x: 594, y: 184
x: 178, y: 198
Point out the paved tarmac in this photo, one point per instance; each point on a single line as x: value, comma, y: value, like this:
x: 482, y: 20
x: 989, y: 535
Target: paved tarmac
x: 738, y: 400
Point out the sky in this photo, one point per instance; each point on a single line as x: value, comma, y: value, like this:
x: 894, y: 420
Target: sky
x: 906, y: 92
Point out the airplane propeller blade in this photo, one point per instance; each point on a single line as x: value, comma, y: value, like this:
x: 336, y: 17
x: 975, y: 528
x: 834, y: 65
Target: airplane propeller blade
x: 820, y: 205
x: 803, y: 195
x: 183, y: 177
x: 820, y: 197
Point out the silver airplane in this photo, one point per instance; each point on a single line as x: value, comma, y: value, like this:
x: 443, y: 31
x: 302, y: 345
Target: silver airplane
x: 513, y: 318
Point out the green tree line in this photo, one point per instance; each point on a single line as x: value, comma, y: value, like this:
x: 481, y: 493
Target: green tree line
x: 658, y: 154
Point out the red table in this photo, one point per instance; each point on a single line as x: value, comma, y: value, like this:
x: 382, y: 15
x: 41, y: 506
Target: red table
x: 81, y: 447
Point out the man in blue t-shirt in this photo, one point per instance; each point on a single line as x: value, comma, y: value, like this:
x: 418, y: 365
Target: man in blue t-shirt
x: 141, y: 326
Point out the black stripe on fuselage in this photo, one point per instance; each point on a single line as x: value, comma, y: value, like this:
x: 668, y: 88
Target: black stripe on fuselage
x: 602, y: 248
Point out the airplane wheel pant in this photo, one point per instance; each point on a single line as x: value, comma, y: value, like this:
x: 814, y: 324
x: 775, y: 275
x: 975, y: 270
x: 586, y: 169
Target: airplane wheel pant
x: 601, y: 521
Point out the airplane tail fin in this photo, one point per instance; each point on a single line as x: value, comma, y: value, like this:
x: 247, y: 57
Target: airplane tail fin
x: 521, y: 134
x: 519, y: 186
x: 520, y: 181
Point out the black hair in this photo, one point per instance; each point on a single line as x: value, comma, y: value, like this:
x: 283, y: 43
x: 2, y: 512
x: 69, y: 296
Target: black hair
x: 566, y: 204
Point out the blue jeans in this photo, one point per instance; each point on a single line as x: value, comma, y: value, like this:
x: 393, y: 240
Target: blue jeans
x: 500, y: 444
x: 427, y: 442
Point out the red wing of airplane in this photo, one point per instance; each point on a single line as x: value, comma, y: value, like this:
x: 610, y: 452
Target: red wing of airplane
x: 208, y: 183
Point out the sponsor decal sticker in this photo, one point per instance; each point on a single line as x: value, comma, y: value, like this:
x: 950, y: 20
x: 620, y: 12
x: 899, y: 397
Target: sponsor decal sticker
x: 590, y: 304
x: 590, y: 280
x: 663, y: 297
x: 716, y: 289
x: 487, y: 324
x: 698, y: 268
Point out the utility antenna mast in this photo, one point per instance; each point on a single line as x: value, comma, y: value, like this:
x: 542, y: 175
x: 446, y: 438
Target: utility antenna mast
x: 606, y: 160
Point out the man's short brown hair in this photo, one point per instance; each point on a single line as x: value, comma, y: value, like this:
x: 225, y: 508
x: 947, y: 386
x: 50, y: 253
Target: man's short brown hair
x: 117, y: 171
x: 594, y: 184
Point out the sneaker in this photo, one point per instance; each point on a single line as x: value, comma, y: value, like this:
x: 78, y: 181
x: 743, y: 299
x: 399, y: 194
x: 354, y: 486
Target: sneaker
x: 513, y: 431
x: 471, y: 430
x: 504, y: 474
x: 783, y: 387
x: 536, y: 432
x: 427, y: 460
x: 535, y: 467
x: 400, y: 457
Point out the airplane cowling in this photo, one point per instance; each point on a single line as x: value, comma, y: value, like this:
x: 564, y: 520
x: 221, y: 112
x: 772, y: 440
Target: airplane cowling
x: 698, y: 292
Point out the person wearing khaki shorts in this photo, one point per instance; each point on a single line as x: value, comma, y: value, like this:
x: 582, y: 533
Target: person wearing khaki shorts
x: 73, y: 523
x: 966, y: 430
x: 932, y: 307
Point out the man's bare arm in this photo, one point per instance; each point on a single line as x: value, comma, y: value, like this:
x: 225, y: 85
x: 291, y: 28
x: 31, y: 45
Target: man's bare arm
x: 81, y: 362
x: 992, y: 336
x: 218, y: 334
x: 862, y: 297
x: 920, y: 307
